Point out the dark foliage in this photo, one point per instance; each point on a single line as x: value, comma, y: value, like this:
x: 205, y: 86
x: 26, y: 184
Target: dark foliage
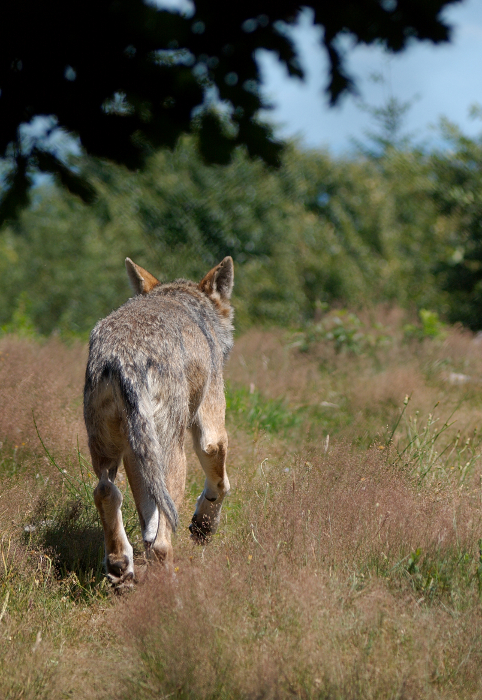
x: 127, y: 77
x: 458, y: 178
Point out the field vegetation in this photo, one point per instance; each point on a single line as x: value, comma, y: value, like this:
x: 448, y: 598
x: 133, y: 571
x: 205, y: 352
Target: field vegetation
x: 349, y: 560
x: 348, y: 564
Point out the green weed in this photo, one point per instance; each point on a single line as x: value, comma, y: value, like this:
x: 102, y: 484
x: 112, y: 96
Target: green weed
x: 440, y: 573
x: 345, y: 332
x: 430, y: 327
x: 425, y: 452
x: 258, y: 413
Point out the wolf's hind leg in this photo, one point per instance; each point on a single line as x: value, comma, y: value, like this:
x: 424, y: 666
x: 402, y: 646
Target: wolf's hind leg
x: 211, y: 444
x: 119, y: 560
x: 156, y: 532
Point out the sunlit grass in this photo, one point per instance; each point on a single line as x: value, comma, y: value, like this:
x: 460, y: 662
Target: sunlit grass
x: 348, y: 558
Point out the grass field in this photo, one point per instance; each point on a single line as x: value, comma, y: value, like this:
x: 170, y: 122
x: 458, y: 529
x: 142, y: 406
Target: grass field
x: 349, y: 559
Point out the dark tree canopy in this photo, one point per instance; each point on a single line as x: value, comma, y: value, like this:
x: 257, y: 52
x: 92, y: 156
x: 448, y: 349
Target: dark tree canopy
x: 127, y: 77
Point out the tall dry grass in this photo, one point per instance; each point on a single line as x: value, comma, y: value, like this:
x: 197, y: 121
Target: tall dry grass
x: 312, y: 592
x: 339, y: 571
x: 45, y: 380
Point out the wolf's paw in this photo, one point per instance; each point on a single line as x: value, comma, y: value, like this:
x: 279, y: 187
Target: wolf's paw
x: 119, y: 573
x: 201, y: 532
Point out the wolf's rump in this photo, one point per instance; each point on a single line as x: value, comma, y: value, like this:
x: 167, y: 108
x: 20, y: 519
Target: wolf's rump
x: 128, y: 389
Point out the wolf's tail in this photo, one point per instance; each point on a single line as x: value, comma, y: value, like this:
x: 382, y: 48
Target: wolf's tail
x: 145, y: 445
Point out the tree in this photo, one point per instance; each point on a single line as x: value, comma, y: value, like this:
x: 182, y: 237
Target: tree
x: 458, y: 196
x: 388, y: 132
x: 127, y: 77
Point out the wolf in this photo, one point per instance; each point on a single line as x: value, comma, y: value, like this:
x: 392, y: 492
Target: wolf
x: 155, y: 371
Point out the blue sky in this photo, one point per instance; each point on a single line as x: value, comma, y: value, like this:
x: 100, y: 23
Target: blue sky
x: 445, y: 80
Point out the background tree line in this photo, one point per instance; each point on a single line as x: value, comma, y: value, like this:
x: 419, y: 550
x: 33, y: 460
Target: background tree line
x: 393, y: 224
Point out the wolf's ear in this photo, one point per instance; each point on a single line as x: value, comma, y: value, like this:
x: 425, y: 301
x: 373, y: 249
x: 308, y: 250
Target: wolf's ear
x: 219, y: 280
x: 141, y: 281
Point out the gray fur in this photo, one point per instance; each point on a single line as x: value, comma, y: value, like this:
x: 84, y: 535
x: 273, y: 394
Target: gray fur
x: 151, y: 364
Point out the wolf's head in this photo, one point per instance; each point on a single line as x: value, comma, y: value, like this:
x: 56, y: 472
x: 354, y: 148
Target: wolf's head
x: 217, y: 285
